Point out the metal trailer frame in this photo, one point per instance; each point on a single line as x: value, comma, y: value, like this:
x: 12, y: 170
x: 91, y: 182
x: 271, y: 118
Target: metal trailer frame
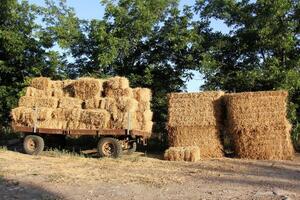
x: 142, y: 136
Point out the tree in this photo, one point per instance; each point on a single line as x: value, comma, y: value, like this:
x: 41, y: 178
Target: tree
x: 260, y: 53
x: 24, y: 52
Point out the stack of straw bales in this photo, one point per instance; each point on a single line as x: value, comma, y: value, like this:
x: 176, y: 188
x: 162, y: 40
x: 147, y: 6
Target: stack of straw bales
x: 86, y: 103
x: 258, y: 125
x: 195, y: 119
x: 191, y: 154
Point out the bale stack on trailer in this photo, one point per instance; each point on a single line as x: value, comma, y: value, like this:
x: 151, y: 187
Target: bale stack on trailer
x: 258, y: 124
x: 195, y: 119
x: 86, y: 103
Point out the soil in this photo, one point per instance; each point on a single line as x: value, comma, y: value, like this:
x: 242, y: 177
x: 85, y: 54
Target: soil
x: 58, y: 175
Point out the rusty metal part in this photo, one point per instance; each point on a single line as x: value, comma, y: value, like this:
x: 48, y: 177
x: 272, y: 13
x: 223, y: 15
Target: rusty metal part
x: 108, y: 149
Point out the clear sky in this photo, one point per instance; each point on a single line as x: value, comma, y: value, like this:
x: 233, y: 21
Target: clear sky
x: 92, y: 9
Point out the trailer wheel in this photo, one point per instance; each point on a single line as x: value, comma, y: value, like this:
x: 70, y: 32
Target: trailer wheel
x: 33, y: 144
x: 109, y: 147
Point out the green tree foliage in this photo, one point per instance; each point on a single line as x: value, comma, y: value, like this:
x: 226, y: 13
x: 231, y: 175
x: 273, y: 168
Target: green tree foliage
x: 262, y: 51
x: 24, y: 52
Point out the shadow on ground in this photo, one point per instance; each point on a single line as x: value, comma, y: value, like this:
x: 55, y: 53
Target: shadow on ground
x: 11, y: 190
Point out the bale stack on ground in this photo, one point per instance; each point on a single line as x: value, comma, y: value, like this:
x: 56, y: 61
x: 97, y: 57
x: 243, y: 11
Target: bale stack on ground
x: 258, y: 125
x: 195, y: 119
x: 86, y: 103
x: 191, y: 154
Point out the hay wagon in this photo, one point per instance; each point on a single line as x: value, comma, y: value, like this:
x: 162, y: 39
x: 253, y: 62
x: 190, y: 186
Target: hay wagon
x: 111, y: 142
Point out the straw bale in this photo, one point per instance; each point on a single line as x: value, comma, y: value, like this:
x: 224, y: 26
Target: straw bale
x: 68, y: 114
x: 93, y: 103
x: 265, y: 144
x: 110, y: 105
x: 41, y: 83
x: 95, y: 119
x: 116, y: 82
x: 55, y: 124
x: 195, y: 109
x: 57, y: 85
x: 143, y: 106
x: 33, y: 92
x: 27, y: 116
x: 126, y: 104
x: 147, y: 116
x: 206, y: 138
x: 115, y: 93
x: 69, y: 102
x: 191, y: 154
x: 208, y: 95
x: 30, y: 102
x: 121, y: 122
x: 142, y: 94
x: 258, y: 125
x: 147, y: 126
x: 87, y: 88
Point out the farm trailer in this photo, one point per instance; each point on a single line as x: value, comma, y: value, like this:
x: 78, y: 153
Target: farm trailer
x: 111, y: 142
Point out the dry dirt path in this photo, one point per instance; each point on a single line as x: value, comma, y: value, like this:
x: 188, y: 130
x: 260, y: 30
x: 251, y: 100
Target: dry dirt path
x: 60, y: 176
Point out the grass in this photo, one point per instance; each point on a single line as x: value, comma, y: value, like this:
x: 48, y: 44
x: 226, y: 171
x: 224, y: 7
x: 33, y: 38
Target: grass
x: 60, y: 153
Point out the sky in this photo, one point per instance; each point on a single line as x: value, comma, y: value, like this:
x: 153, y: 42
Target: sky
x: 92, y: 9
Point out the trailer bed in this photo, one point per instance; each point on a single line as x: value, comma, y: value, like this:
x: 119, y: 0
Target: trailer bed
x: 91, y: 132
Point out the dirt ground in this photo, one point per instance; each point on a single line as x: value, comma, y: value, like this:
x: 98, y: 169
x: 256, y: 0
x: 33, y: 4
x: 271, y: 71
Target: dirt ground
x: 56, y: 175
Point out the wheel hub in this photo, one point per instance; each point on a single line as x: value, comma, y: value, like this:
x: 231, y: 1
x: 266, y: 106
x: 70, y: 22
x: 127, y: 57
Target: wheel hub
x: 32, y: 144
x: 108, y: 149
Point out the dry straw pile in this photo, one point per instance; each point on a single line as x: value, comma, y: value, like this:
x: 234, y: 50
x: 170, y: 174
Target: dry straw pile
x: 86, y: 103
x: 258, y: 125
x: 191, y: 154
x: 195, y: 119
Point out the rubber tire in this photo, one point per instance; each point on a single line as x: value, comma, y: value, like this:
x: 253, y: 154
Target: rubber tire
x: 117, y: 146
x: 39, y: 142
x: 133, y: 149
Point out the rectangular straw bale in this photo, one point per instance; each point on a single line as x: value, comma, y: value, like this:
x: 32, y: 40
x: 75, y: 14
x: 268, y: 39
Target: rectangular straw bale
x: 116, y: 82
x: 33, y: 92
x: 27, y: 116
x: 191, y: 154
x: 55, y: 124
x: 87, y: 88
x: 147, y: 126
x: 41, y: 83
x: 265, y: 144
x: 262, y: 132
x: 30, y: 102
x: 66, y: 114
x: 95, y: 119
x: 115, y: 93
x: 142, y: 94
x: 126, y: 104
x: 195, y: 109
x: 143, y: 106
x: 93, y: 103
x: 69, y: 102
x: 206, y: 138
x: 121, y: 122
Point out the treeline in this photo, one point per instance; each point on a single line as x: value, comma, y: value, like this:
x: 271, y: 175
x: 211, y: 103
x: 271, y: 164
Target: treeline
x: 155, y: 44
